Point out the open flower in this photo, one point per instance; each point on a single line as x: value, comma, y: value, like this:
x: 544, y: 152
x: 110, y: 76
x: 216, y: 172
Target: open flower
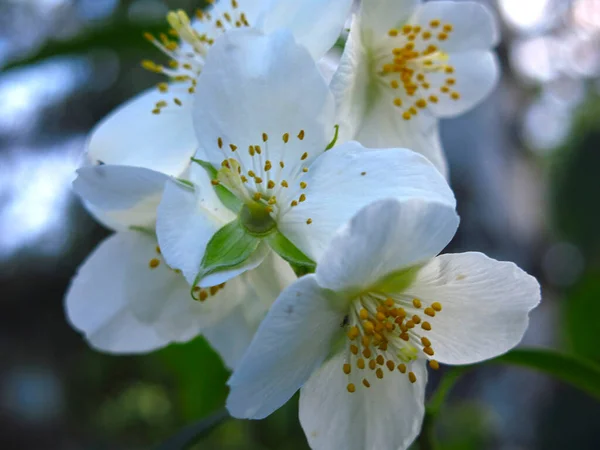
x: 406, y: 64
x: 264, y: 126
x: 154, y: 130
x: 356, y: 335
x: 126, y: 299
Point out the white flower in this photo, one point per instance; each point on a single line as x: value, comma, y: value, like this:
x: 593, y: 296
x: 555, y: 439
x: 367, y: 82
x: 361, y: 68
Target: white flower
x: 165, y: 141
x: 355, y: 335
x: 126, y: 299
x: 406, y: 64
x: 265, y: 122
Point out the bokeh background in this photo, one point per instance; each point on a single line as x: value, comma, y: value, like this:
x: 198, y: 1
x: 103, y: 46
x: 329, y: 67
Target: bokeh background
x: 525, y: 166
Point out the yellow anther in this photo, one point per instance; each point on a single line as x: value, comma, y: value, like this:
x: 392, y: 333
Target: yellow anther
x: 379, y: 373
x: 455, y: 96
x: 369, y: 327
x: 442, y: 36
x: 294, y: 203
x: 366, y: 383
x: 372, y: 364
x: 177, y: 101
x: 412, y: 377
x: 406, y: 29
x: 308, y: 221
x: 426, y: 342
x: 366, y: 353
x: 163, y: 87
x: 360, y: 363
x: 268, y: 166
x: 426, y: 35
x: 380, y: 360
x: 393, y: 33
x: 347, y: 369
x: 380, y: 316
x: 383, y: 346
x: 406, y: 115
x: 429, y: 311
x: 398, y: 102
x: 421, y: 103
x: 154, y: 263
x: 401, y: 312
x: 416, y: 303
x: 272, y: 200
x: 433, y: 99
x: 451, y: 81
x: 354, y: 349
x: 203, y: 296
x: 363, y: 314
x: 305, y: 169
x: 448, y: 28
x: 270, y: 184
x: 428, y: 351
x: 366, y: 341
x: 449, y: 69
x: 286, y: 137
x: 402, y: 368
x: 410, y: 324
x: 251, y: 174
x: 435, y: 23
x: 257, y: 149
x: 220, y: 142
x: 437, y: 306
x: 351, y: 388
x: 303, y: 185
x: 390, y: 365
x: 284, y: 184
x: 269, y: 209
x: 434, y: 364
x: 353, y: 332
x: 416, y: 319
x: 389, y: 302
x: 258, y: 180
x: 281, y: 164
x: 265, y: 137
x: 404, y: 336
x: 244, y: 179
x: 304, y: 156
x: 302, y: 198
x: 417, y: 29
x: 301, y: 135
x: 426, y: 326
x: 215, y: 182
x: 445, y: 89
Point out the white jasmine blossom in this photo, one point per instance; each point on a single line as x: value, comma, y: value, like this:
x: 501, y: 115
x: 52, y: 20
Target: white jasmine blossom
x: 407, y: 64
x: 356, y: 335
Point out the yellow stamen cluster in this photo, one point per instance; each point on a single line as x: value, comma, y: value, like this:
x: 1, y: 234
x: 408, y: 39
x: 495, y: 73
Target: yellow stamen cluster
x: 419, y: 55
x: 387, y: 333
x: 255, y: 178
x: 201, y: 294
x: 185, y: 64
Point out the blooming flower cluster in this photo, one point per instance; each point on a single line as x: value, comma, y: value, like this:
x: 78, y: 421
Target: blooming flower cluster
x: 296, y: 222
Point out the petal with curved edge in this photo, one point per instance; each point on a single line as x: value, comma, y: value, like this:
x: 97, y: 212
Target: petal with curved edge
x: 379, y: 16
x: 383, y: 126
x: 475, y: 76
x: 187, y: 219
x: 254, y: 84
x: 133, y: 136
x: 232, y: 335
x: 383, y: 238
x: 291, y: 342
x: 117, y: 297
x: 132, y: 192
x: 349, y: 177
x: 473, y: 26
x: 315, y: 24
x: 387, y: 415
x: 485, y: 305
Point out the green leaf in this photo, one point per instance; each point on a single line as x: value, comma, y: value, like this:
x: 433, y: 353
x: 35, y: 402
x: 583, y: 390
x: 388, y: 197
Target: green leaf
x: 230, y: 201
x: 577, y: 372
x: 194, y: 432
x: 229, y: 247
x: 288, y: 251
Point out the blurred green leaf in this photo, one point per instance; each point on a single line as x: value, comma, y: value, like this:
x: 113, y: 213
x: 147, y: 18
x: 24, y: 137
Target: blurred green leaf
x: 192, y: 433
x: 581, y: 312
x: 200, y: 377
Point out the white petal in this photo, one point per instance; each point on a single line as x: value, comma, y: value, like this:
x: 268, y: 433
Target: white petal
x: 385, y: 237
x: 116, y: 298
x: 379, y: 16
x: 485, y: 305
x: 257, y: 290
x: 132, y: 193
x: 133, y: 136
x: 254, y: 84
x: 291, y: 342
x: 187, y: 220
x: 473, y: 25
x: 475, y: 75
x: 315, y: 24
x: 349, y: 177
x: 388, y: 415
x: 383, y: 126
x: 366, y: 112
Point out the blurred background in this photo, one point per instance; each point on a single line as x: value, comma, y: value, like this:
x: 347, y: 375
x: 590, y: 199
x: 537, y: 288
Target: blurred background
x: 525, y: 167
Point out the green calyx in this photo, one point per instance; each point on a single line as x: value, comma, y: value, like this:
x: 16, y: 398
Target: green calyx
x: 256, y: 220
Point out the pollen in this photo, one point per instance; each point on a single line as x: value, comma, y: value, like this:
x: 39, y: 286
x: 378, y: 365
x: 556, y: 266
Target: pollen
x: 308, y: 221
x: 412, y: 377
x: 351, y: 388
x: 416, y: 303
x: 301, y: 135
x: 154, y: 263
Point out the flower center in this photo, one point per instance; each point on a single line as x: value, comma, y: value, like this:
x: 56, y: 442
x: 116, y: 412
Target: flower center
x: 268, y: 188
x: 187, y: 47
x: 417, y: 72
x: 387, y: 332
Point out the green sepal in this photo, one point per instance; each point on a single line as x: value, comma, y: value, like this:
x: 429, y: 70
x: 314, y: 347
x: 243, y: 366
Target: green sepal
x: 301, y: 263
x: 335, y: 138
x: 229, y: 247
x: 230, y: 201
x: 145, y: 230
